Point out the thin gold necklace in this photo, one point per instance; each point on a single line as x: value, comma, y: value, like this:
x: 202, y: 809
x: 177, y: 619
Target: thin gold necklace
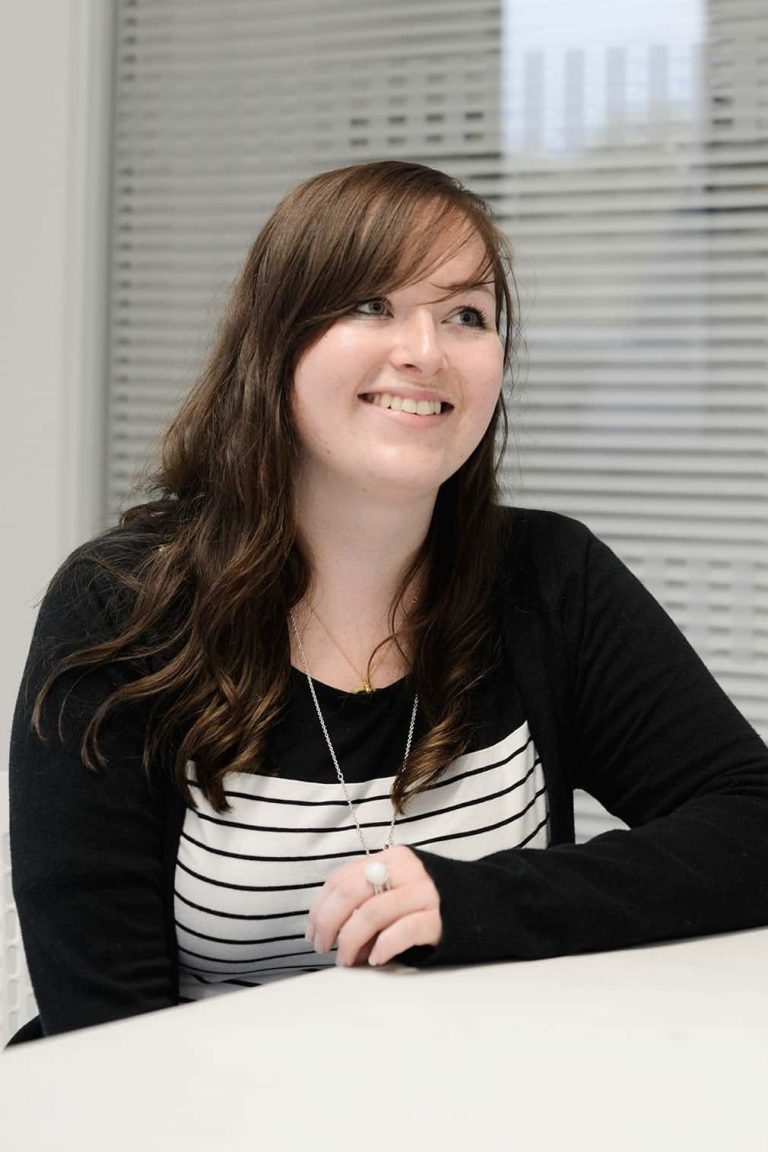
x: 366, y: 686
x: 339, y: 774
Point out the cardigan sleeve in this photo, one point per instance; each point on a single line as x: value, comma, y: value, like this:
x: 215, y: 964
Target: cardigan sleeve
x: 654, y: 738
x: 86, y: 847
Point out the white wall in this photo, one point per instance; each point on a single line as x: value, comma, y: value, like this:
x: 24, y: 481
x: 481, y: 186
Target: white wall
x: 55, y: 89
x: 55, y: 65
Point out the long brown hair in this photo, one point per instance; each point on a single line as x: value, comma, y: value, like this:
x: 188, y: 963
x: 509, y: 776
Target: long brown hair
x: 210, y: 597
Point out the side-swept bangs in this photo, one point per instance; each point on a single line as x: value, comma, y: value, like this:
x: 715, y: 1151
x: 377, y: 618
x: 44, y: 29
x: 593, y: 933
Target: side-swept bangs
x: 354, y: 233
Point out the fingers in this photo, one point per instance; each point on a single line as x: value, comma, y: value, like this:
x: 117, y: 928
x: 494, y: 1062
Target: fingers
x: 377, y: 914
x: 417, y: 928
x: 341, y: 896
x: 347, y: 888
x: 376, y: 926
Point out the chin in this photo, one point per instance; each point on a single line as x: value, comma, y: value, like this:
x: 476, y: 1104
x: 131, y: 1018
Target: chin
x: 414, y: 484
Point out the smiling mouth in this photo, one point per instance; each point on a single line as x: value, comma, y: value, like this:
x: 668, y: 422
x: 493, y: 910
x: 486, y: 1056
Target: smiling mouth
x: 400, y: 404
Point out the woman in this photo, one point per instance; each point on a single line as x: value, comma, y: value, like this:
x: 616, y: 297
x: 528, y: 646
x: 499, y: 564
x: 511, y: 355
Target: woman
x: 324, y: 639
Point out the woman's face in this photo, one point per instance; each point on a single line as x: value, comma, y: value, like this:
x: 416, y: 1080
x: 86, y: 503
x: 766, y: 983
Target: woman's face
x: 396, y: 395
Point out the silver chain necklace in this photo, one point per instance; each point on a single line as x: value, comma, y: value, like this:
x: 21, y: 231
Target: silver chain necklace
x: 334, y: 758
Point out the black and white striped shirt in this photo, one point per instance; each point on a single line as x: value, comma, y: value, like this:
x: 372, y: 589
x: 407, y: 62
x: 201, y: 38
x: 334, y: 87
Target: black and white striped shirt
x: 245, y: 879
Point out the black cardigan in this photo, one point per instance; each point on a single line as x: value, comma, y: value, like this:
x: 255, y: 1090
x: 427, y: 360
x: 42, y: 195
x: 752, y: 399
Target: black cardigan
x: 617, y: 702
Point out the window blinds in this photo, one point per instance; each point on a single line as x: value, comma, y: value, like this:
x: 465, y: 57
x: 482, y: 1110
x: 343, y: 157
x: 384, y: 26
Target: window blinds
x: 636, y: 196
x: 625, y: 152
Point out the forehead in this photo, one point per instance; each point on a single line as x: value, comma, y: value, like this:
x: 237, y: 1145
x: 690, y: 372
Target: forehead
x: 457, y: 260
x: 469, y: 265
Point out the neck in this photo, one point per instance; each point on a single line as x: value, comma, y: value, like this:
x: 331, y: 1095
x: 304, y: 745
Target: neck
x: 359, y: 548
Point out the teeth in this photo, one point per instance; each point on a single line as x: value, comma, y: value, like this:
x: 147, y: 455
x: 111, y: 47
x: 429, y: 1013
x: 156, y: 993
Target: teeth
x: 399, y: 404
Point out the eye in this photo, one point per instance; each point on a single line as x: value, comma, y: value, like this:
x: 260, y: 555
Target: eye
x: 371, y: 308
x: 472, y: 318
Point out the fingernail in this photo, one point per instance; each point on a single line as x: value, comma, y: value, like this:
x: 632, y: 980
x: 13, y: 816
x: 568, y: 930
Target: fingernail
x: 318, y: 946
x: 310, y: 932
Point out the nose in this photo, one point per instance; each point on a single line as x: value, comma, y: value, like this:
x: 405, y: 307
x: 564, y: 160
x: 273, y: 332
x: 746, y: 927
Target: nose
x: 417, y: 344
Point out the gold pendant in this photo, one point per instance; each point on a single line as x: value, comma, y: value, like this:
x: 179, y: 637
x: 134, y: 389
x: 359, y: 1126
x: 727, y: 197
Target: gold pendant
x: 366, y: 689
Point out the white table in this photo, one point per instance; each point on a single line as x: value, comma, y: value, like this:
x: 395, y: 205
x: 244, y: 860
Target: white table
x: 657, y: 1048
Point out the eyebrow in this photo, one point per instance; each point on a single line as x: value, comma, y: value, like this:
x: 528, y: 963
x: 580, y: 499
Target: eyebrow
x: 486, y: 286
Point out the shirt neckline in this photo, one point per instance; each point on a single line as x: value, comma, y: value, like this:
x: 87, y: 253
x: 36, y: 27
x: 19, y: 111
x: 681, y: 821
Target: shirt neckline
x: 334, y: 693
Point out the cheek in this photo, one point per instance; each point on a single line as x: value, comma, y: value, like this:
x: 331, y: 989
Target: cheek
x: 488, y: 379
x: 310, y: 378
x: 484, y: 416
x: 483, y: 392
x: 303, y: 409
x: 308, y: 369
x: 329, y: 367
